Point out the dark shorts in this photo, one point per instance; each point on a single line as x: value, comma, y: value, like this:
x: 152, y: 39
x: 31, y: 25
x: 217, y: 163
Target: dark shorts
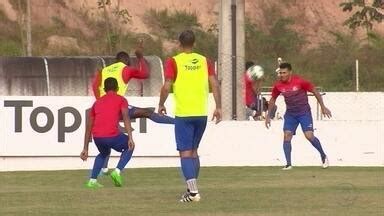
x: 189, y: 131
x: 292, y: 121
x: 105, y: 144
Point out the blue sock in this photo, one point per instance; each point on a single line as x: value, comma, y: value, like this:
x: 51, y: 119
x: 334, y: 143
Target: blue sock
x: 124, y: 158
x: 163, y: 119
x: 196, y: 162
x: 98, y: 164
x: 188, y: 168
x: 287, y: 151
x: 106, y: 162
x: 316, y: 143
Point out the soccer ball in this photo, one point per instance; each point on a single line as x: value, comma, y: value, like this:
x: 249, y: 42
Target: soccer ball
x: 255, y: 72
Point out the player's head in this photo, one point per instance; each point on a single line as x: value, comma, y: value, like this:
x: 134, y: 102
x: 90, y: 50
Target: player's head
x: 249, y: 64
x: 285, y: 71
x: 122, y: 57
x: 187, y: 39
x: 110, y: 84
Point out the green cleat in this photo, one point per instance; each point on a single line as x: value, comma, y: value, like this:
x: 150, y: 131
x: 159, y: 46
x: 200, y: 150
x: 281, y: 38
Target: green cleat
x: 93, y: 185
x: 116, y: 178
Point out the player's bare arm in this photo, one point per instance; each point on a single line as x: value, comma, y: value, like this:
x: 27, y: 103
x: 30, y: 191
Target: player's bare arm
x: 87, y: 138
x: 214, y: 84
x: 324, y: 110
x: 271, y: 104
x: 128, y: 128
x: 164, y: 92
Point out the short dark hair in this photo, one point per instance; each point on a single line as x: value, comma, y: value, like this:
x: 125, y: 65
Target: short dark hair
x: 285, y: 65
x: 122, y: 57
x: 187, y: 38
x: 110, y: 84
x: 249, y: 64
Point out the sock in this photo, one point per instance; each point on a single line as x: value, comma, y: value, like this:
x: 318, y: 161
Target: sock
x: 163, y: 119
x: 106, y: 163
x: 192, y: 186
x: 92, y: 180
x: 118, y: 170
x: 104, y: 170
x: 196, y: 162
x: 98, y: 164
x: 316, y: 143
x: 124, y: 158
x: 188, y: 168
x: 287, y: 151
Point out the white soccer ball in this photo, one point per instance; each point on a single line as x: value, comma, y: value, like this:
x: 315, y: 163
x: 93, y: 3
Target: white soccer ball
x: 255, y: 72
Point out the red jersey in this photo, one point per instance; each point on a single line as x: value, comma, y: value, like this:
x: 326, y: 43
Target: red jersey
x: 295, y: 94
x: 170, y: 71
x: 142, y: 72
x: 106, y: 112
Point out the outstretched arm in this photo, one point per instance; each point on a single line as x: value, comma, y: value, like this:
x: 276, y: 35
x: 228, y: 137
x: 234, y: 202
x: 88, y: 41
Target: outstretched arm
x: 87, y: 137
x: 271, y: 104
x: 214, y: 84
x: 164, y: 92
x: 324, y: 110
x: 96, y: 84
x: 128, y: 128
x: 141, y: 70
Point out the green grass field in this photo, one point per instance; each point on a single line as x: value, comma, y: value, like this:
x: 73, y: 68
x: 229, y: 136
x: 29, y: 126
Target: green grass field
x: 224, y: 191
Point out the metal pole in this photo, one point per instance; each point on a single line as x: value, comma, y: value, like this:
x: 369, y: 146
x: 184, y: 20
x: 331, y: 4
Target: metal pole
x: 234, y: 54
x: 357, y: 75
x: 29, y: 29
x: 240, y: 51
x: 225, y: 63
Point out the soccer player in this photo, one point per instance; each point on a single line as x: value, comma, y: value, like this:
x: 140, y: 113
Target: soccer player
x: 190, y: 75
x: 103, y: 124
x: 254, y: 102
x: 123, y: 72
x: 294, y: 89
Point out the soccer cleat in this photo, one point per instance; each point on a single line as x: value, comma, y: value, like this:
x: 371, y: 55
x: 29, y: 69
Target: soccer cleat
x: 325, y: 162
x: 187, y: 197
x: 287, y: 167
x: 116, y: 178
x: 93, y: 185
x: 185, y: 193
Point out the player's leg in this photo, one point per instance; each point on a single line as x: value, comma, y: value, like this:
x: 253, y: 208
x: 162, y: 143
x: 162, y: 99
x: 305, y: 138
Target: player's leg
x: 306, y: 123
x: 200, y: 125
x: 289, y: 128
x: 104, y: 151
x: 105, y: 170
x: 120, y: 144
x: 131, y: 113
x: 138, y: 112
x: 184, y: 132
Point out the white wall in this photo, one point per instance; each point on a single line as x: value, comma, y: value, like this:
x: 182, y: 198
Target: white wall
x: 353, y: 137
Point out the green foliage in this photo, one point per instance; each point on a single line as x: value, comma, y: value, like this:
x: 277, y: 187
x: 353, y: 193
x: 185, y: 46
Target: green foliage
x: 265, y: 47
x: 366, y: 15
x: 10, y: 48
x: 151, y: 46
x: 169, y: 25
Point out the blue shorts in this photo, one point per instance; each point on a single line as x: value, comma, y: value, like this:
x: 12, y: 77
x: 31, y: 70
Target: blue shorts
x: 189, y: 131
x: 105, y: 144
x: 292, y: 121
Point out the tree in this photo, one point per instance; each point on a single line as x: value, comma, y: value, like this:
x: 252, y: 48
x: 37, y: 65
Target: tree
x: 113, y: 27
x: 367, y: 14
